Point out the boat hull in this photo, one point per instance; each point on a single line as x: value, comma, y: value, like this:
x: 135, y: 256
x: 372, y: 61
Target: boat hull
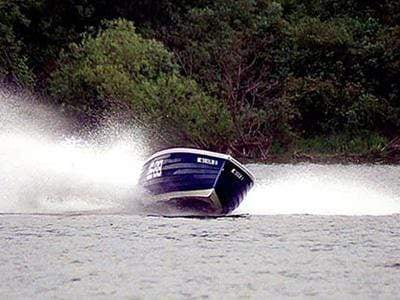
x: 201, y: 180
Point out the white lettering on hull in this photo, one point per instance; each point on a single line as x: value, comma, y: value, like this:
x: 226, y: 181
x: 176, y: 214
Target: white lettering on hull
x: 207, y: 161
x: 155, y: 169
x: 237, y: 174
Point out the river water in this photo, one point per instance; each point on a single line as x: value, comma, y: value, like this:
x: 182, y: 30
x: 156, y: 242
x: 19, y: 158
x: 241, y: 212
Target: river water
x: 73, y: 225
x: 304, y: 231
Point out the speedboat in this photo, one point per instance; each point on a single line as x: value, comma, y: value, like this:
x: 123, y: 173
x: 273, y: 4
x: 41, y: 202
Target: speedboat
x: 199, y: 180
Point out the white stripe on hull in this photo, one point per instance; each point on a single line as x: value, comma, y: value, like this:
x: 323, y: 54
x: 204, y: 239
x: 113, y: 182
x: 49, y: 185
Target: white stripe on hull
x: 208, y: 195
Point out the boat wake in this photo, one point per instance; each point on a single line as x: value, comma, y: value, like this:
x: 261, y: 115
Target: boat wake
x: 43, y: 170
x: 324, y: 190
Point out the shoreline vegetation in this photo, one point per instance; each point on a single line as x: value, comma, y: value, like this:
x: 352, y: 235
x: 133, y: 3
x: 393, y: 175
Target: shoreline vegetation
x: 266, y: 81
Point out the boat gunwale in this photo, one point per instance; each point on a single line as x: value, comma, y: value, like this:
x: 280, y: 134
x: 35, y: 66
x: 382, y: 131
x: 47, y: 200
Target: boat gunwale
x: 202, y: 152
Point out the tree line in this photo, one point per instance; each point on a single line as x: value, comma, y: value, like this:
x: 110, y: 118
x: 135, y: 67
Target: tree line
x: 251, y: 77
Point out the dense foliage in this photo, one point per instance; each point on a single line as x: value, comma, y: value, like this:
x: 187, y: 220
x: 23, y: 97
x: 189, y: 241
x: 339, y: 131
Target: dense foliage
x: 252, y: 77
x: 118, y: 65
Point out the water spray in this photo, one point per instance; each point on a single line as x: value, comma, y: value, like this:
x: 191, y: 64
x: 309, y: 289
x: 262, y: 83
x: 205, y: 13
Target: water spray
x: 324, y: 190
x: 45, y: 170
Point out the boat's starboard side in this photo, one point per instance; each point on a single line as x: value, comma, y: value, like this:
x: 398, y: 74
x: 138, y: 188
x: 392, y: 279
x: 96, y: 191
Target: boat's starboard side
x: 232, y: 186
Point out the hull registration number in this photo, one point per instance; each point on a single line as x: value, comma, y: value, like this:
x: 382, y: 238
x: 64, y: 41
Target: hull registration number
x: 155, y: 169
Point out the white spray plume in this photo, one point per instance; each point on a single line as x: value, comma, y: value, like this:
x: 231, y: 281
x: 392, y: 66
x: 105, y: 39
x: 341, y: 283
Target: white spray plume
x: 324, y: 190
x: 43, y: 171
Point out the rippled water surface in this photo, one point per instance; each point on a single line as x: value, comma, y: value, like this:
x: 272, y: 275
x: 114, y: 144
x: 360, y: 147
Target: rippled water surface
x: 129, y: 256
x: 304, y: 230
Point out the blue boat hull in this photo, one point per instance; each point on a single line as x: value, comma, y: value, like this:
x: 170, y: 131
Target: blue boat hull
x: 200, y: 180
